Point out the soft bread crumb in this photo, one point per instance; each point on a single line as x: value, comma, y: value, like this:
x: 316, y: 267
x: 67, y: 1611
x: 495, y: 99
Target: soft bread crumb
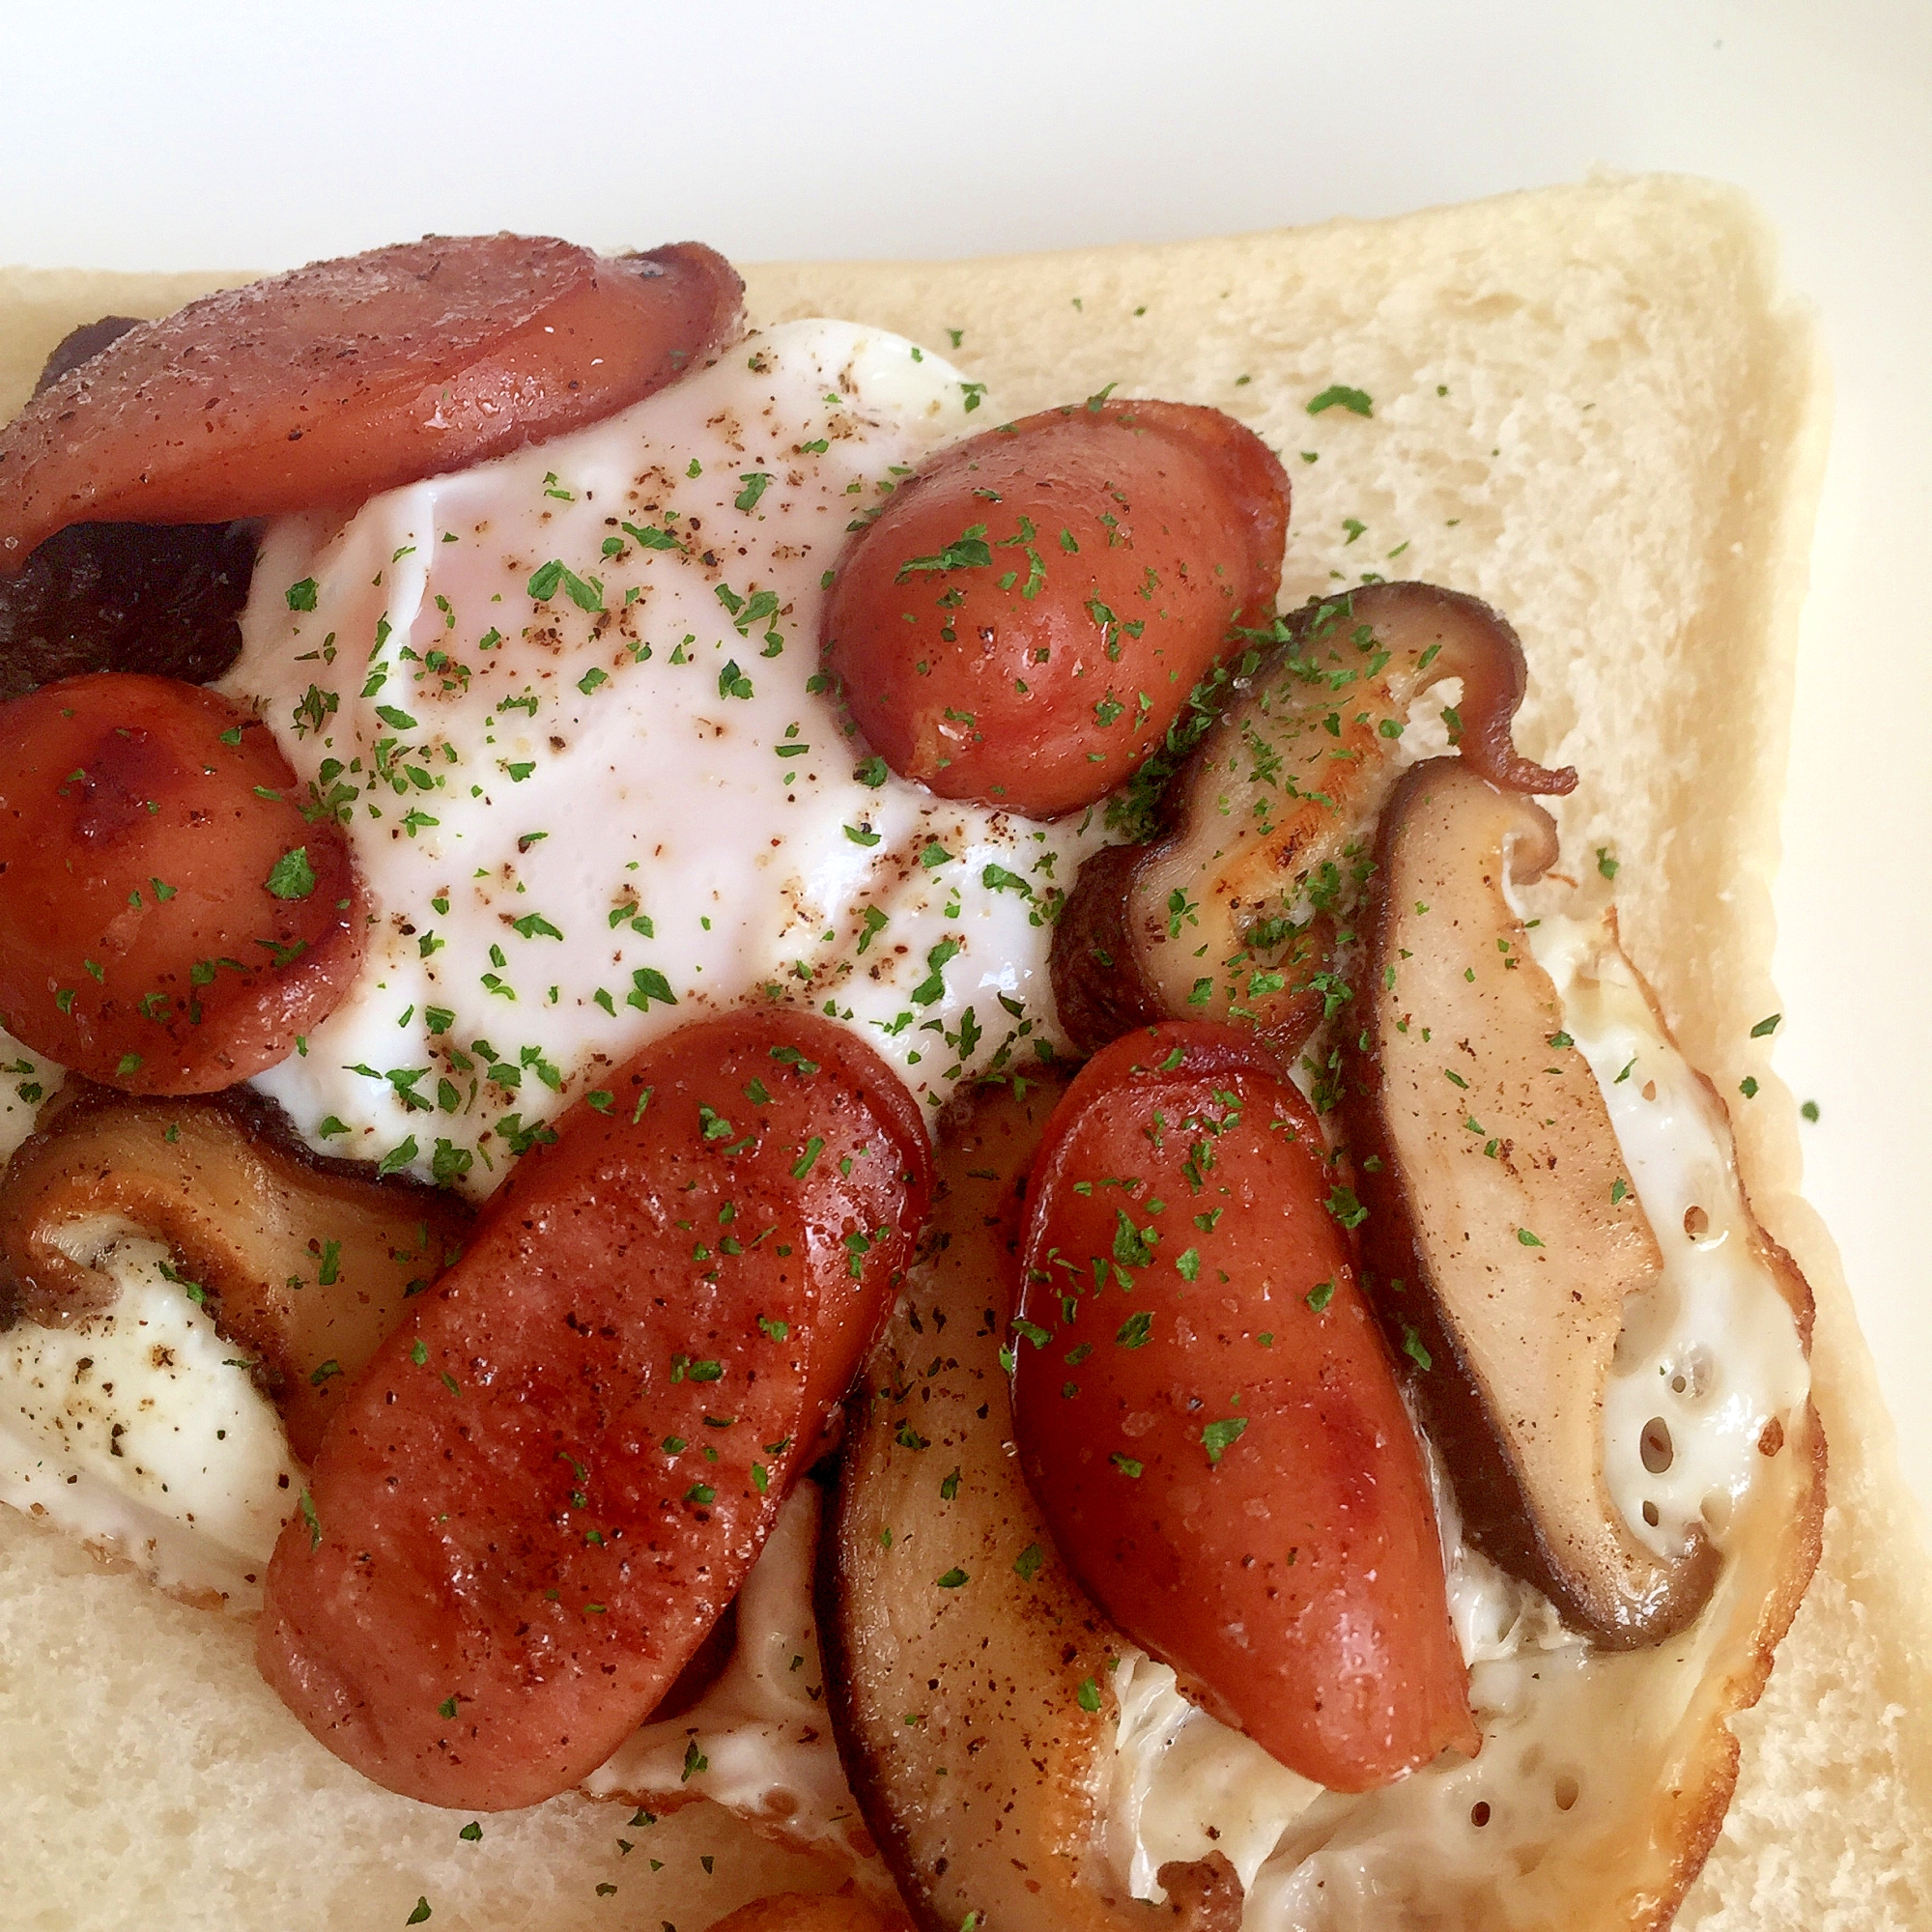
x: 152, y: 1778
x: 1624, y: 462
x: 1827, y: 1827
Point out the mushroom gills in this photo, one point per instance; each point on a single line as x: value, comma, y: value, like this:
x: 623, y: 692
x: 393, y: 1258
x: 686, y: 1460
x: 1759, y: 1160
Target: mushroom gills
x: 1235, y: 911
x: 1504, y: 1242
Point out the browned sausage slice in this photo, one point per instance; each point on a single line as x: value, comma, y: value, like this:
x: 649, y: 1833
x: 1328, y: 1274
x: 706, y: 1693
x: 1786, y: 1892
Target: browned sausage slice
x: 330, y: 383
x: 545, y: 1488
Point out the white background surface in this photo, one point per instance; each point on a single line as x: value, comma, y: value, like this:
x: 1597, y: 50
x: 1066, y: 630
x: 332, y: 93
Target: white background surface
x: 236, y: 135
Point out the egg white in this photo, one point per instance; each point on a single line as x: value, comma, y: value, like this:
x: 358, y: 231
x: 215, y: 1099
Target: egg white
x: 568, y: 709
x: 140, y: 1428
x: 1710, y: 1353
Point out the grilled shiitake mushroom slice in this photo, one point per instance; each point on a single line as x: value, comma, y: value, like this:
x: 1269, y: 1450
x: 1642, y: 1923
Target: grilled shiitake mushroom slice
x: 305, y: 1262
x: 1233, y: 913
x: 1503, y: 1230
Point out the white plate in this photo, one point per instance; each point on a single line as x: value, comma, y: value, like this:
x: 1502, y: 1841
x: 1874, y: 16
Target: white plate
x: 259, y: 136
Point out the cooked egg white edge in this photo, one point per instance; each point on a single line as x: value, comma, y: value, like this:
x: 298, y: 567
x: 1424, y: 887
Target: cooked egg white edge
x: 1711, y: 1350
x: 759, y: 1741
x: 585, y: 816
x: 1180, y: 1783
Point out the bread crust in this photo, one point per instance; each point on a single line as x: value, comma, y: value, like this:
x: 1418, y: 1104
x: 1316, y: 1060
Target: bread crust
x: 1649, y: 622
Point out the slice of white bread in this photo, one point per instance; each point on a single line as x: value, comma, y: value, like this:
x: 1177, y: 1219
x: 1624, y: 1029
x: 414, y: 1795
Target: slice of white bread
x: 1590, y: 407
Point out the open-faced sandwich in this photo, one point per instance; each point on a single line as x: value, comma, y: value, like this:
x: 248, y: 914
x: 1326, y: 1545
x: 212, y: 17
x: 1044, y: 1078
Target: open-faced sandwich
x: 959, y: 1118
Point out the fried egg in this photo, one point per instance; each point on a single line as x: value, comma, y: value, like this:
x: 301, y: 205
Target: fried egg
x: 567, y: 706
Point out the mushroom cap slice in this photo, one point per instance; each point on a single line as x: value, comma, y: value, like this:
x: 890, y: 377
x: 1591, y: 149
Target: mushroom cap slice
x: 959, y: 1644
x: 1504, y: 1238
x: 306, y: 1263
x: 1231, y: 913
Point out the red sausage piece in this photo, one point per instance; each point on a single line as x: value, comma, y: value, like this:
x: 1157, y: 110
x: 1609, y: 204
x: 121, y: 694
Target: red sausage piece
x: 1207, y: 1416
x: 548, y: 1484
x: 1029, y: 612
x: 333, y: 382
x: 169, y: 920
